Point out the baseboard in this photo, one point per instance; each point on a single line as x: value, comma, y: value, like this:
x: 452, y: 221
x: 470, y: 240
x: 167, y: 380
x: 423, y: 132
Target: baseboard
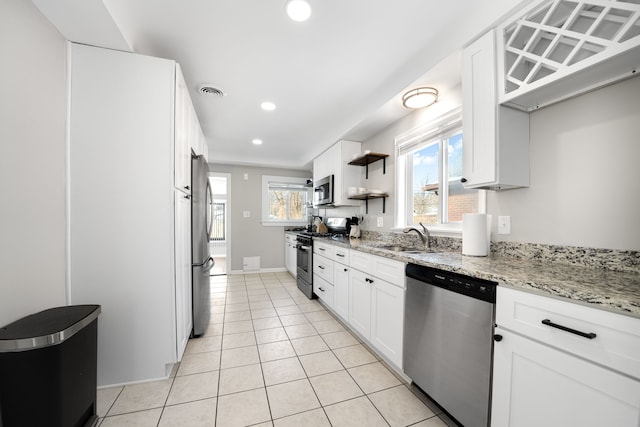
x: 262, y: 270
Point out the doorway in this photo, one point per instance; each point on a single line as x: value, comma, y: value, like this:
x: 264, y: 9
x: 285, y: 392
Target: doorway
x: 219, y: 242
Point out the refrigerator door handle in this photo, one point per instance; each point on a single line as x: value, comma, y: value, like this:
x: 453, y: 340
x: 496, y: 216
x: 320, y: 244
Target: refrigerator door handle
x: 208, y: 214
x: 209, y: 264
x: 205, y: 264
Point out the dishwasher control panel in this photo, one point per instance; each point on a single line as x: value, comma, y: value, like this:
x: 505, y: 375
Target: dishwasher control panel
x: 471, y: 286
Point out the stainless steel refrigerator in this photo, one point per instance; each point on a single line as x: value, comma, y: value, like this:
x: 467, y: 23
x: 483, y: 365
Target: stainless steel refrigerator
x: 201, y: 261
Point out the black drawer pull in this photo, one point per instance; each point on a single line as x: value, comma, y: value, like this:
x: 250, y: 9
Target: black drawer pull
x: 589, y: 335
x: 321, y: 267
x: 340, y: 255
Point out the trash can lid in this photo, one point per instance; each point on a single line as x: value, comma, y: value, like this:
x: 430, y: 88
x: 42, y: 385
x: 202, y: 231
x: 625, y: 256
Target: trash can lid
x: 46, y: 328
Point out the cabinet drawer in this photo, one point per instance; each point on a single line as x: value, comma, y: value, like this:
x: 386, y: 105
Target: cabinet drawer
x: 616, y: 343
x: 341, y: 255
x: 383, y: 268
x: 360, y: 261
x: 388, y: 269
x: 324, y: 249
x: 323, y: 267
x: 323, y: 289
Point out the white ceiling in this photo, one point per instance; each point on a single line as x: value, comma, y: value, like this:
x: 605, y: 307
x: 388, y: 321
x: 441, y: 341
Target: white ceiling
x: 338, y: 75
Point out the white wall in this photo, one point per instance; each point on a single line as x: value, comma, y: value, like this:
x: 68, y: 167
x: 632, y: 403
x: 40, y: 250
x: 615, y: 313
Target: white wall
x: 585, y: 170
x: 32, y: 162
x: 248, y: 236
x: 585, y: 174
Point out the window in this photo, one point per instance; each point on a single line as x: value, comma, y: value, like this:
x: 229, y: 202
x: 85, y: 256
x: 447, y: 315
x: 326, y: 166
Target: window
x: 284, y: 200
x: 429, y: 169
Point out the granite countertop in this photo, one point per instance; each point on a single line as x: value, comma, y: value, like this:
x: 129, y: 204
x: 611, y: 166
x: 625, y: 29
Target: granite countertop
x: 595, y: 287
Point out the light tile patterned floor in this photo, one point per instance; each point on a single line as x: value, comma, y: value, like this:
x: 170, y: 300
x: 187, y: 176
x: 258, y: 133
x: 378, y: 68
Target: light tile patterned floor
x: 271, y: 357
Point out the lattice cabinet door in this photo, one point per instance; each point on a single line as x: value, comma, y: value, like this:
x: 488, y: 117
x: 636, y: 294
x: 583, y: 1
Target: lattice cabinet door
x: 556, y: 49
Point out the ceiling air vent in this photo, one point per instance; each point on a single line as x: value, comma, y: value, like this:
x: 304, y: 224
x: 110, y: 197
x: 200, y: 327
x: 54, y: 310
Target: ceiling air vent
x: 209, y: 90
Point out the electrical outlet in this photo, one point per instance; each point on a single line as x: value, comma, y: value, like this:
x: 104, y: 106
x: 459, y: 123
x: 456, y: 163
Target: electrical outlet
x: 380, y: 221
x: 246, y: 214
x: 246, y: 176
x: 504, y: 225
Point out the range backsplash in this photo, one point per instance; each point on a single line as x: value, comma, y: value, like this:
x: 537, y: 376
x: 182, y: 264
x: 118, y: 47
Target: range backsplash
x: 610, y: 259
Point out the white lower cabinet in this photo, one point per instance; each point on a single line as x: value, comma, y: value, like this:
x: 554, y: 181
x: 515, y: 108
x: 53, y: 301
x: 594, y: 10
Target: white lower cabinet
x: 376, y: 311
x: 537, y: 385
x: 359, y: 303
x: 290, y: 253
x: 557, y: 363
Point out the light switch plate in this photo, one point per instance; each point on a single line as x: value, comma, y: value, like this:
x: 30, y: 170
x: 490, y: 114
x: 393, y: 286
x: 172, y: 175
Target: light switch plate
x: 380, y: 222
x: 246, y: 214
x: 504, y: 225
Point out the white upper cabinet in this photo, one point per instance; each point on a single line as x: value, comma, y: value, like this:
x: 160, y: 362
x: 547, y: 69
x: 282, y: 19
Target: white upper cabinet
x: 496, y: 138
x: 335, y: 161
x: 182, y: 148
x: 555, y: 49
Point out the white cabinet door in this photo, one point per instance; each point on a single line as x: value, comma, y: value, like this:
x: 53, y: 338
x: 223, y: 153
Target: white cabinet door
x: 182, y: 132
x: 536, y: 385
x: 183, y: 270
x: 496, y: 139
x: 290, y: 254
x: 360, y: 302
x: 387, y: 319
x: 341, y: 290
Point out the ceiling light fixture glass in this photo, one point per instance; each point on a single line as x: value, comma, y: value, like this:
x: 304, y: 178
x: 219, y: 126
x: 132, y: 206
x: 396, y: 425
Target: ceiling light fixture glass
x: 257, y: 141
x: 268, y: 106
x: 298, y: 10
x: 420, y: 97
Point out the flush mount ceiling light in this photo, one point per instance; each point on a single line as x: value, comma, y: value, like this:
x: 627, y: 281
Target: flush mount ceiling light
x: 268, y: 106
x: 420, y: 97
x: 257, y: 141
x: 298, y: 10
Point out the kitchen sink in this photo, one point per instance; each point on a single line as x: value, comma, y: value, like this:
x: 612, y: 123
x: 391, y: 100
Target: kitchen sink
x: 403, y: 249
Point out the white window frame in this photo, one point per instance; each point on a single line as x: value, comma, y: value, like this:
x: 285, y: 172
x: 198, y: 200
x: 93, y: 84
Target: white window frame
x: 266, y: 179
x: 441, y: 128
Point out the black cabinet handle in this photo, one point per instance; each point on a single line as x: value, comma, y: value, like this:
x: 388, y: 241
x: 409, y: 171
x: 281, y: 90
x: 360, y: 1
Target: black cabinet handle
x: 346, y: 269
x: 589, y: 335
x: 340, y: 255
x: 321, y: 267
x: 463, y: 180
x: 321, y: 290
x: 321, y: 249
x: 368, y: 280
x: 497, y: 337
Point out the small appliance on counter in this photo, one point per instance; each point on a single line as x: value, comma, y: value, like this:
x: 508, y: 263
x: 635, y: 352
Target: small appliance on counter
x: 354, y: 230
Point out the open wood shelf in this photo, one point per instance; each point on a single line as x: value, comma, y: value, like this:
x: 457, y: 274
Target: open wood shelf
x: 368, y: 158
x: 368, y: 196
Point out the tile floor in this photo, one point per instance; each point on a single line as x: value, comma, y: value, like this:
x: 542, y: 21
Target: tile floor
x: 271, y: 357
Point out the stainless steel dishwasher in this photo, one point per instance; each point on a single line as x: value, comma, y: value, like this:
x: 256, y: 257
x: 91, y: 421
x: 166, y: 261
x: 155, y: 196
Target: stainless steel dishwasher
x: 448, y: 340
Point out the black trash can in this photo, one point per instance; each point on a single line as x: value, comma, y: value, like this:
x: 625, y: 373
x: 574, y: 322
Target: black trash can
x: 48, y: 368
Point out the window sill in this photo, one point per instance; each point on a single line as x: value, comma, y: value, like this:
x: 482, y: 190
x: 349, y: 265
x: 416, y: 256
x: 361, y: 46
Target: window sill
x: 440, y: 230
x: 284, y: 223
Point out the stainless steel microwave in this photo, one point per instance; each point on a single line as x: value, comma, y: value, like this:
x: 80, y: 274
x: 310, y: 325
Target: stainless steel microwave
x: 323, y: 191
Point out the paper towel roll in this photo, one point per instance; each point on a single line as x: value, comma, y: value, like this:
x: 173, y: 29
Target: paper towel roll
x: 476, y: 232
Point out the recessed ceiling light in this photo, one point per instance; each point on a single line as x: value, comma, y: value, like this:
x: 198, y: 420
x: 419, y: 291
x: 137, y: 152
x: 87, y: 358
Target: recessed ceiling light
x: 257, y: 141
x: 298, y: 10
x: 268, y: 106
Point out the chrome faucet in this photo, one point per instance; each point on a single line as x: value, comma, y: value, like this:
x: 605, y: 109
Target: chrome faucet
x: 424, y: 235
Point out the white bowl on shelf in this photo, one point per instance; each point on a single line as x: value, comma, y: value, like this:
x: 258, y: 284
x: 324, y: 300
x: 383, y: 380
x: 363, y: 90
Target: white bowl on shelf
x: 362, y: 190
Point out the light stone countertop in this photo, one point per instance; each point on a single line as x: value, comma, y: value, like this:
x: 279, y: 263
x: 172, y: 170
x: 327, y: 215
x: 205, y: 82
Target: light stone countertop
x: 594, y: 287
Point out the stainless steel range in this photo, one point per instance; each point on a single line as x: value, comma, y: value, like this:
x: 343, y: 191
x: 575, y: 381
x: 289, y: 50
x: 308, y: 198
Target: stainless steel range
x: 338, y: 229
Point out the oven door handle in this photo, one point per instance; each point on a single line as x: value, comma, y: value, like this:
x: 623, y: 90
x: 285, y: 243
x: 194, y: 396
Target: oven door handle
x: 304, y: 248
